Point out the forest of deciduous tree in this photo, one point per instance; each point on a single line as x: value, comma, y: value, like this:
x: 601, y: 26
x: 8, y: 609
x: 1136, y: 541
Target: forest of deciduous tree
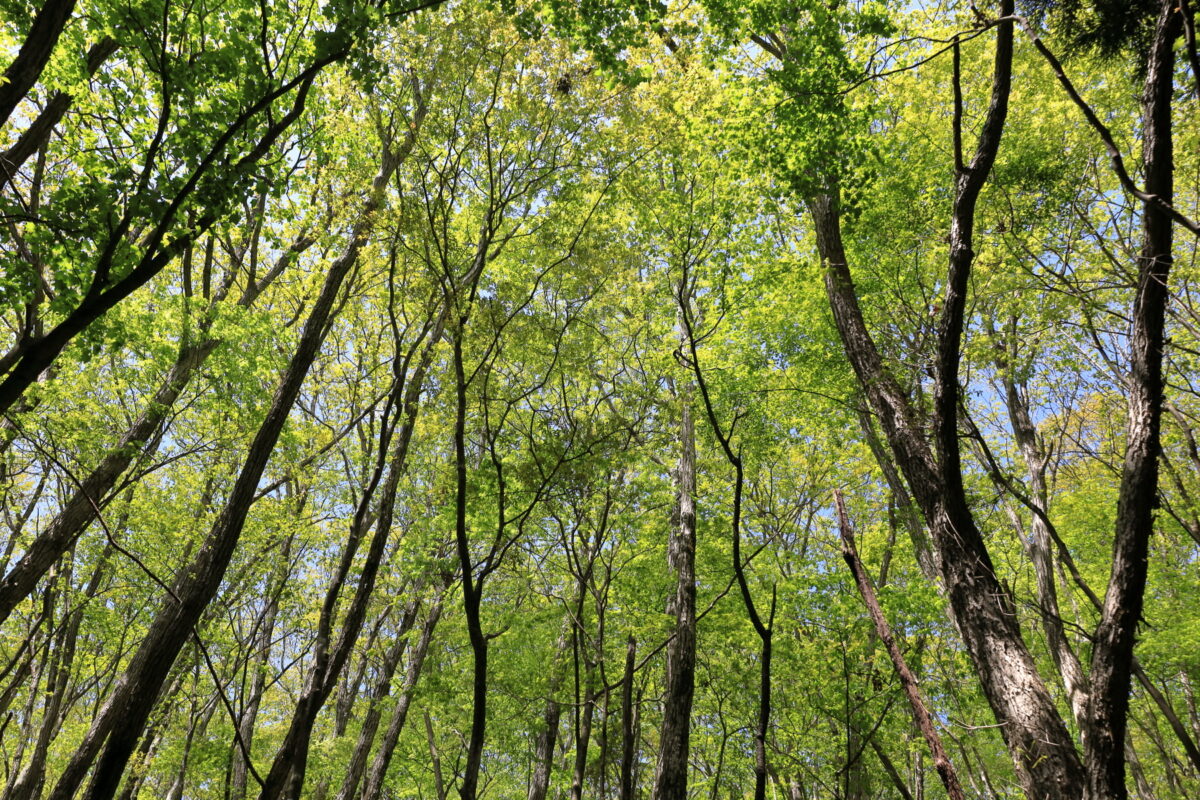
x: 791, y: 398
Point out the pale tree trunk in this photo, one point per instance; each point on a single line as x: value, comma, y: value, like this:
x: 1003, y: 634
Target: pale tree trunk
x: 435, y: 760
x: 379, y: 694
x: 259, y: 664
x: 670, y: 780
x: 1039, y: 549
x: 29, y: 783
x: 1040, y: 541
x: 543, y: 750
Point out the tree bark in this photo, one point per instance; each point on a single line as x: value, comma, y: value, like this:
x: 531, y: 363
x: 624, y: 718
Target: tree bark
x: 628, y: 735
x: 373, y: 785
x: 286, y: 778
x: 1048, y: 765
x: 670, y: 781
x: 137, y: 690
x: 379, y: 693
x: 941, y: 761
x: 31, y: 59
x: 543, y: 749
x: 1112, y: 652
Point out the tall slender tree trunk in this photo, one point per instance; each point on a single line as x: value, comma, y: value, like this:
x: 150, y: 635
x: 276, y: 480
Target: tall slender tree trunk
x: 373, y: 782
x: 670, y: 780
x: 379, y: 694
x: 543, y: 748
x: 1039, y: 549
x: 628, y: 726
x: 1112, y: 652
x: 764, y: 630
x: 472, y: 587
x: 30, y: 781
x: 123, y: 715
x: 239, y: 763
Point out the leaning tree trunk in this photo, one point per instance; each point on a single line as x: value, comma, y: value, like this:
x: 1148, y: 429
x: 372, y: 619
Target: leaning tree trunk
x: 286, y: 778
x: 123, y: 715
x: 373, y: 784
x: 379, y: 694
x: 1048, y: 765
x: 31, y: 59
x: 258, y: 662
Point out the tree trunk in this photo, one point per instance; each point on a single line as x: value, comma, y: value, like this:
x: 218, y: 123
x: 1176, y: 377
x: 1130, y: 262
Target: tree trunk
x: 472, y: 589
x: 670, y: 781
x: 373, y: 785
x: 27, y: 67
x: 1040, y: 552
x: 941, y: 761
x: 379, y: 693
x: 1047, y: 762
x: 628, y: 735
x: 239, y: 757
x: 1112, y: 653
x: 543, y: 748
x: 123, y: 716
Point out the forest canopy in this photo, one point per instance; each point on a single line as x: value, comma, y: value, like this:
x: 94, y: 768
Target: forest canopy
x: 534, y: 399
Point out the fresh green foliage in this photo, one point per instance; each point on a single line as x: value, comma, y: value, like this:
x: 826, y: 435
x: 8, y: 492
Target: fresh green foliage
x: 554, y: 188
